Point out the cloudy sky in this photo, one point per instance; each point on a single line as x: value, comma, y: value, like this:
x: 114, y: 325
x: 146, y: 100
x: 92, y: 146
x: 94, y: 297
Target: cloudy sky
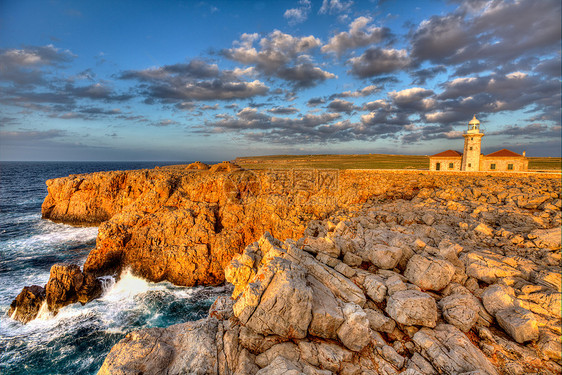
x: 212, y: 80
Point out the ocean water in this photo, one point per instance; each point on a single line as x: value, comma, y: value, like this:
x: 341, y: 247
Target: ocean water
x: 77, y: 339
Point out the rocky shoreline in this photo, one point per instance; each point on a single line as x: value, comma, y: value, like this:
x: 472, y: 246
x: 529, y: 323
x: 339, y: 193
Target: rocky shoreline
x: 348, y: 272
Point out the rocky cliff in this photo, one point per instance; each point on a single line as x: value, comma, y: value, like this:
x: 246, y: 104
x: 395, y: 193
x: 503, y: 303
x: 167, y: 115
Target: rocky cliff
x: 347, y: 272
x: 400, y: 287
x: 185, y: 224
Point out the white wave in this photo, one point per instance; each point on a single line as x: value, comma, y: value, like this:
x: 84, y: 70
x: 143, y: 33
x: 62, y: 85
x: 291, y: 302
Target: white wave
x: 44, y: 312
x: 52, y: 235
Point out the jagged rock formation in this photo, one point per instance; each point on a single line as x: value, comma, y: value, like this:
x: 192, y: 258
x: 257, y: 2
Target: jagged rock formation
x: 67, y: 284
x: 185, y: 226
x: 296, y: 309
x: 26, y: 305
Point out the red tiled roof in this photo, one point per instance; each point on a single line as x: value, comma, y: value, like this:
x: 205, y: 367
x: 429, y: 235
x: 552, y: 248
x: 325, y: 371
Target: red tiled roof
x: 448, y: 153
x: 504, y: 152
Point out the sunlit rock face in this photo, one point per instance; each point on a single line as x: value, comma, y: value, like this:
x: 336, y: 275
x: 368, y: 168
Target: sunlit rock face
x: 185, y: 225
x: 291, y: 312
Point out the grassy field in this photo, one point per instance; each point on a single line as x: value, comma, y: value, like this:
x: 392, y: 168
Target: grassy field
x: 545, y: 164
x: 364, y: 161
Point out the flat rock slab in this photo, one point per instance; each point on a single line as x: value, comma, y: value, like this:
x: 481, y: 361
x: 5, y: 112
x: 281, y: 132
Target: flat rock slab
x: 451, y: 352
x: 412, y: 307
x: 519, y: 323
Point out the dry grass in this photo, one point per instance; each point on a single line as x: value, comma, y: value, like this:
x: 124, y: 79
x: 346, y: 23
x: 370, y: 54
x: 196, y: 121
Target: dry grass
x: 364, y: 161
x: 545, y: 164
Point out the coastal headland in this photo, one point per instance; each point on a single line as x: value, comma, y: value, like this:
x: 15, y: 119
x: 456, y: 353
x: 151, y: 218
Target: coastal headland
x: 335, y: 271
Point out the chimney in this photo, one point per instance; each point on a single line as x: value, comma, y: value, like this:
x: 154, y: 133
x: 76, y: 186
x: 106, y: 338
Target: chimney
x: 523, y: 153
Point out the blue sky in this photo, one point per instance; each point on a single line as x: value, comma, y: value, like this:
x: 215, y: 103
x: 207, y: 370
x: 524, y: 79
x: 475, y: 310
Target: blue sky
x: 212, y: 80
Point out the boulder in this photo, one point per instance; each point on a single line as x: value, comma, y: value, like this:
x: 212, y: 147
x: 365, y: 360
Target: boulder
x: 488, y: 267
x: 287, y: 350
x: 460, y: 310
x: 332, y: 356
x: 498, y: 297
x: 281, y: 366
x: 429, y: 273
x: 379, y: 322
x: 285, y: 307
x: 395, y: 284
x: 352, y: 260
x: 327, y: 315
x: 412, y: 307
x: 519, y: 323
x: 67, y: 284
x: 382, y: 256
x: 27, y: 304
x: 375, y: 288
x: 340, y: 285
x: 450, y: 351
x: 354, y: 332
x: 183, y: 348
x: 390, y: 355
x: 321, y: 245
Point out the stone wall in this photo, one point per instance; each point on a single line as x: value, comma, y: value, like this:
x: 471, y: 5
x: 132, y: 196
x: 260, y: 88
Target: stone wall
x: 519, y: 164
x: 444, y: 163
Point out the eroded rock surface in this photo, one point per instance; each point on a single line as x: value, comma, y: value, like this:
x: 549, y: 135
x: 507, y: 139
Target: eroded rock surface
x: 342, y: 261
x: 286, y: 317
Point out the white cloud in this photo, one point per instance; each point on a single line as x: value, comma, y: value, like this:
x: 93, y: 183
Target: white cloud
x: 359, y: 35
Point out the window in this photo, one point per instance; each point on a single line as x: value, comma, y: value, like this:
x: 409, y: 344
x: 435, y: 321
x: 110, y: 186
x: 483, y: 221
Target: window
x: 510, y: 167
x: 451, y: 165
x: 492, y: 166
x: 437, y: 166
x: 471, y: 138
x: 469, y: 165
x: 470, y: 148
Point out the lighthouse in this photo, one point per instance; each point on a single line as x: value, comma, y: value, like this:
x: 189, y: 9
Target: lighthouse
x: 472, y: 146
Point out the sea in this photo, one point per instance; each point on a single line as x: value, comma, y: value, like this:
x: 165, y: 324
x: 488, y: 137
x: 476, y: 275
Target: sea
x: 78, y: 338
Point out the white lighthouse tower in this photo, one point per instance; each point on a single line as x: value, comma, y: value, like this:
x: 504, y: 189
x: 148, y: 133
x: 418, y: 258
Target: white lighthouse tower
x: 472, y: 146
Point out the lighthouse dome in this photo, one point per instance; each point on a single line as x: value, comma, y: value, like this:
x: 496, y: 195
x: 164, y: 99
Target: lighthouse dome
x: 474, y: 121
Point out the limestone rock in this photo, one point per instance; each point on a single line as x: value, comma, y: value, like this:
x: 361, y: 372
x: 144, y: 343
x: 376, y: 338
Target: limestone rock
x: 460, y: 310
x: 327, y: 315
x: 332, y: 356
x: 379, y: 322
x: 382, y: 256
x: 429, y: 273
x: 281, y: 366
x: 285, y: 307
x: 550, y: 344
x: 352, y: 260
x: 321, y: 245
x: 498, y: 297
x: 450, y: 351
x: 255, y: 342
x: 140, y: 352
x: 354, y: 332
x: 412, y: 307
x: 287, y: 350
x: 340, y: 285
x: 375, y: 288
x: 67, y: 284
x: 183, y: 348
x: 27, y: 304
x: 395, y: 284
x: 519, y: 323
x: 488, y: 267
x: 390, y: 354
